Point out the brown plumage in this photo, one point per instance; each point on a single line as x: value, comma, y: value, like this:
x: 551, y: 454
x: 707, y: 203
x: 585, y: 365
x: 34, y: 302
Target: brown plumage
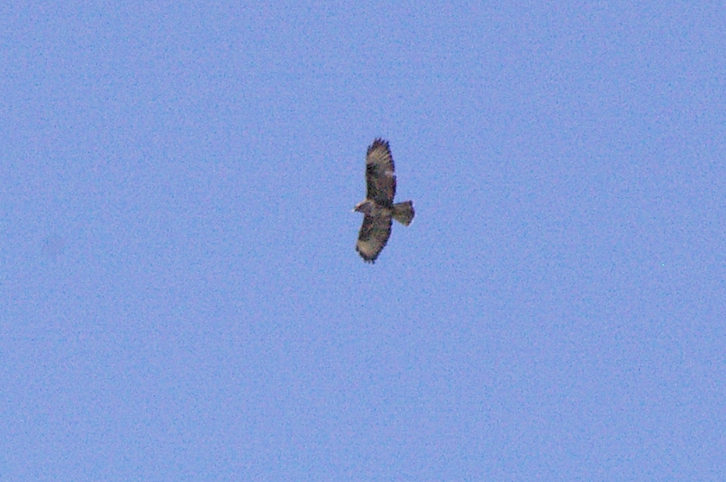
x: 378, y: 207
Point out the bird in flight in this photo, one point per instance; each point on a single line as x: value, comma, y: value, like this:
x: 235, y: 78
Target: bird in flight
x: 378, y: 207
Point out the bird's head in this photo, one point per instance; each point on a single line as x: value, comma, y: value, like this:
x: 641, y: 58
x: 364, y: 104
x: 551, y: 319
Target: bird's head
x: 364, y: 207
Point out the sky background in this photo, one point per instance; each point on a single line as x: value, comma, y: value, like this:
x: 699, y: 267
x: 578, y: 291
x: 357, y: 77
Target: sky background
x: 180, y: 296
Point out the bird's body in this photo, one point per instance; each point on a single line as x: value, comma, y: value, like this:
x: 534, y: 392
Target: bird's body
x: 378, y: 207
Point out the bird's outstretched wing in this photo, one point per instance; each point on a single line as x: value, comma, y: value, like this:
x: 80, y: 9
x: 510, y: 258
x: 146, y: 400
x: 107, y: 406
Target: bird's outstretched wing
x: 373, y: 236
x: 380, y: 173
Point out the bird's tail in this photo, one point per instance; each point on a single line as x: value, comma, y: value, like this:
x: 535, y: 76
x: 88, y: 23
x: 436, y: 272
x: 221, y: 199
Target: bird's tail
x: 403, y: 212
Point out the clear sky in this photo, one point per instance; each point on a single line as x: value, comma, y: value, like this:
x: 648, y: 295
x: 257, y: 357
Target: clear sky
x: 180, y: 296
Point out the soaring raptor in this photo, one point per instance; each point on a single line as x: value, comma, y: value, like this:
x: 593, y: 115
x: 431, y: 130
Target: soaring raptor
x: 378, y: 206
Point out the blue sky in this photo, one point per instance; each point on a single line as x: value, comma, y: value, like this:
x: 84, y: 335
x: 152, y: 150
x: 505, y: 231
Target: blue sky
x: 180, y: 297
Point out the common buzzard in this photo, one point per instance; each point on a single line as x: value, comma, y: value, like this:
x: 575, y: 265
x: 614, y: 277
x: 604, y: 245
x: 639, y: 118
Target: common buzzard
x: 378, y: 206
